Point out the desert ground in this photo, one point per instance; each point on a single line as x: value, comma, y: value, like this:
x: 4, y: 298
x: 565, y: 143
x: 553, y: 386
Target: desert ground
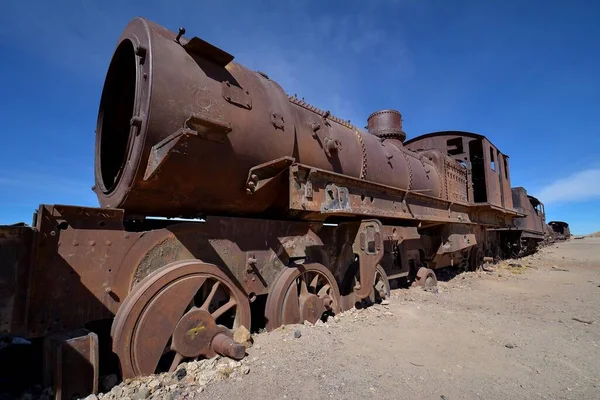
x: 523, y: 329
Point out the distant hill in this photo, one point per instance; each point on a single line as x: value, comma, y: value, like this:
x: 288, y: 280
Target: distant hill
x: 595, y: 234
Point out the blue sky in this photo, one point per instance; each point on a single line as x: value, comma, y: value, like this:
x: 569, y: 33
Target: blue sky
x: 524, y: 73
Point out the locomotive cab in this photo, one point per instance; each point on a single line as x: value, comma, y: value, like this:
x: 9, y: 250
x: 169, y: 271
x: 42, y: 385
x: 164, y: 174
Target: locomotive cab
x: 488, y: 171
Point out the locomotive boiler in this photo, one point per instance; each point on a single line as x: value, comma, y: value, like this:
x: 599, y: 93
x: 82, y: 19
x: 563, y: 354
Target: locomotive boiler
x: 184, y: 130
x: 292, y: 214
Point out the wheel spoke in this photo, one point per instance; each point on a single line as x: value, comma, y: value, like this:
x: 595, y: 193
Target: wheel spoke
x: 176, y: 361
x: 210, y: 296
x: 324, y: 290
x: 224, y: 308
x: 303, y: 288
x: 314, y: 283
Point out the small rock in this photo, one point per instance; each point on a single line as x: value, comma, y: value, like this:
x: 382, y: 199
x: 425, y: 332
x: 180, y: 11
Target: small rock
x: 142, y: 394
x: 91, y: 397
x: 297, y: 333
x: 319, y: 323
x: 117, y: 392
x: 509, y: 346
x: 385, y: 302
x: 109, y: 382
x: 127, y: 391
x: 307, y: 323
x: 515, y: 265
x: 154, y: 384
x: 243, y: 336
x: 172, y: 387
x: 583, y: 321
x: 212, y: 362
x: 245, y: 370
x: 388, y: 313
x: 180, y: 374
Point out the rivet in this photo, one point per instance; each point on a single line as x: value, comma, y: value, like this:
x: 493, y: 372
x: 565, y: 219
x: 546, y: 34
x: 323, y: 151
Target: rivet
x: 108, y: 242
x: 92, y: 242
x: 75, y: 243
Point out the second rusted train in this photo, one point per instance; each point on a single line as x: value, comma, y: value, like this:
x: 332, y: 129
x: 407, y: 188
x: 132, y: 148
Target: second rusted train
x: 293, y: 215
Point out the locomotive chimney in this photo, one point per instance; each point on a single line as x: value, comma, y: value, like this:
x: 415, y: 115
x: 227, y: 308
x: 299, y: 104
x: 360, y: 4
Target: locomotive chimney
x: 386, y: 124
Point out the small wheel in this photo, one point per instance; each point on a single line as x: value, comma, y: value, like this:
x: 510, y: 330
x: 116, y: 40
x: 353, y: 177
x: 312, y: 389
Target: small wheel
x: 301, y: 293
x: 425, y: 278
x: 184, y: 310
x: 476, y: 259
x: 381, y: 288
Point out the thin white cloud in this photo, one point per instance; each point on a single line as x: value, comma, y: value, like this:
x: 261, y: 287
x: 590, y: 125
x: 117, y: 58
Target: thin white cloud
x: 580, y: 186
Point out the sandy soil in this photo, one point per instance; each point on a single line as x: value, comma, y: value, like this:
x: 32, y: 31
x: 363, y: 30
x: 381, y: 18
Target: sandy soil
x: 509, y: 333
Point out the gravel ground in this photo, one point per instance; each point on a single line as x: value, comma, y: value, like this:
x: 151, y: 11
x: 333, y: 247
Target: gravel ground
x: 524, y: 329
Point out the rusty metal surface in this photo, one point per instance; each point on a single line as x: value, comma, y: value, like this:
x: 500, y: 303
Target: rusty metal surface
x: 307, y: 292
x: 425, y: 278
x: 561, y: 229
x: 184, y: 310
x: 71, y: 364
x: 386, y: 124
x: 16, y: 252
x: 190, y: 150
x: 476, y: 258
x: 488, y: 169
x: 534, y: 222
x: 86, y: 255
x: 454, y: 242
x: 368, y: 246
x: 320, y: 194
x: 381, y: 289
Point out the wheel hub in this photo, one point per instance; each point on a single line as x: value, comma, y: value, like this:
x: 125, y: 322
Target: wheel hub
x: 194, y: 333
x: 312, y: 307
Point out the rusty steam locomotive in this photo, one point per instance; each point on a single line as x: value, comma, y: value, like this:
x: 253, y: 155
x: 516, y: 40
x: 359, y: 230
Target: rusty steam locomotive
x: 293, y: 214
